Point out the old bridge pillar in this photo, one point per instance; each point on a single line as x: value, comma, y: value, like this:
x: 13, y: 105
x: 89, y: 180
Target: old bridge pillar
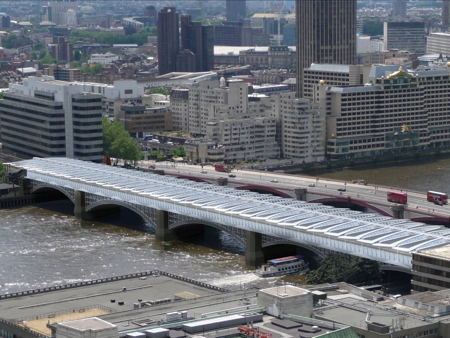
x: 222, y: 181
x: 162, y: 231
x: 300, y: 194
x: 398, y: 211
x: 79, y: 200
x: 254, y: 256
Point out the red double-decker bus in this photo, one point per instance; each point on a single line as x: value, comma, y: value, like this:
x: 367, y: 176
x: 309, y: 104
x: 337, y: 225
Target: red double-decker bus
x: 397, y: 197
x: 437, y: 197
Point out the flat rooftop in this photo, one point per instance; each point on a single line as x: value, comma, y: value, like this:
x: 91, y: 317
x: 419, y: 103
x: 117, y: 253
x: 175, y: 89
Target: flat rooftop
x: 353, y: 312
x: 115, y: 299
x: 442, y: 252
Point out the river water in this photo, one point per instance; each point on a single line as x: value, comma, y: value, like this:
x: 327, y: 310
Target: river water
x: 41, y: 247
x: 424, y: 176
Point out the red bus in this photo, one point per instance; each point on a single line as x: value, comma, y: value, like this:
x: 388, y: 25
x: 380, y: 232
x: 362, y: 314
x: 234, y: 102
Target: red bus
x: 397, y: 197
x: 435, y: 196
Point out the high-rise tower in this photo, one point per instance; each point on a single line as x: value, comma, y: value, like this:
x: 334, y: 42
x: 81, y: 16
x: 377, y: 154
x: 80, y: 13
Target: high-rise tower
x: 446, y: 13
x: 168, y: 40
x: 399, y: 8
x: 236, y: 10
x: 326, y: 33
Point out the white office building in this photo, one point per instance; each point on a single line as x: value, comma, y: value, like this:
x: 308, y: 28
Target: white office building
x: 44, y: 117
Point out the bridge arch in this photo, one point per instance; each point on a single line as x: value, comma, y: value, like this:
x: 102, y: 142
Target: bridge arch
x: 270, y: 248
x: 42, y: 188
x: 237, y: 234
x: 147, y: 214
x: 351, y: 201
x: 264, y: 190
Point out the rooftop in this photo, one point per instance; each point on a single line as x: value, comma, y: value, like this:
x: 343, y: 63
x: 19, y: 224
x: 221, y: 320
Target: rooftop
x: 86, y: 324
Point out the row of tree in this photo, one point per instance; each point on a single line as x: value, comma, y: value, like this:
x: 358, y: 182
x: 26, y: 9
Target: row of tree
x: 118, y: 143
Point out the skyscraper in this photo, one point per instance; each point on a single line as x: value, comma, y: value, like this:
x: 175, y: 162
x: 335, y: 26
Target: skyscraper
x: 446, y: 13
x: 168, y: 40
x: 236, y: 10
x: 200, y: 41
x: 326, y: 33
x: 399, y: 8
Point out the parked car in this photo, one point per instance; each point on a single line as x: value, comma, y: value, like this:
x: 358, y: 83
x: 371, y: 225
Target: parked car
x: 232, y: 175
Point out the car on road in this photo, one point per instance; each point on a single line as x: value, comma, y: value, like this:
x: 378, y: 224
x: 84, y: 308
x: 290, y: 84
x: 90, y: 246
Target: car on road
x: 204, y: 172
x: 311, y: 185
x: 232, y: 175
x: 439, y: 202
x: 342, y: 189
x: 274, y: 180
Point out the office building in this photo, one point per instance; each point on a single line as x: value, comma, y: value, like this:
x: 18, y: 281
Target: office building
x: 326, y: 33
x: 199, y: 40
x: 408, y: 36
x: 64, y: 74
x: 228, y: 34
x: 236, y: 10
x: 331, y: 75
x: 446, y: 13
x: 430, y: 269
x: 60, y: 49
x: 399, y: 8
x: 140, y: 119
x: 45, y: 117
x: 398, y: 113
x: 5, y: 21
x: 302, y: 129
x: 57, y: 12
x: 438, y: 43
x: 168, y: 40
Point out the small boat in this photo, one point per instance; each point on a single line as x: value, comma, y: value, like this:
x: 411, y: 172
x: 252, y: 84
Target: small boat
x: 283, y: 266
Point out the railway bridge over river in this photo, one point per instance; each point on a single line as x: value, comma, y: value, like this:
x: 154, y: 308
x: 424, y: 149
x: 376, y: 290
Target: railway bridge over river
x: 256, y: 220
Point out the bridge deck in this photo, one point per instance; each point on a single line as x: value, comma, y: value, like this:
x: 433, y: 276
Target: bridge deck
x: 362, y: 234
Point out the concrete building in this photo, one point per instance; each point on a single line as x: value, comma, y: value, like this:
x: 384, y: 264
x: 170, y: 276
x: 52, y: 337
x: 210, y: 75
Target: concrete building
x: 326, y: 33
x: 290, y: 299
x: 399, y: 8
x: 431, y: 269
x: 45, y: 117
x: 236, y: 10
x: 302, y: 130
x: 140, y: 119
x: 438, y: 43
x: 409, y: 36
x: 87, y: 327
x: 398, y: 113
x: 64, y: 74
x: 331, y: 75
x: 168, y: 40
x: 224, y: 113
x: 445, y: 14
x: 103, y: 59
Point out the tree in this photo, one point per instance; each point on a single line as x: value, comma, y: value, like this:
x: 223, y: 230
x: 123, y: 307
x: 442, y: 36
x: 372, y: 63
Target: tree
x: 158, y: 91
x: 118, y: 143
x: 2, y: 172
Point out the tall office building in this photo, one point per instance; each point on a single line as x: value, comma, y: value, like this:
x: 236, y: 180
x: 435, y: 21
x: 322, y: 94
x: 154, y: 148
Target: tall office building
x: 168, y: 40
x: 446, y: 13
x: 326, y: 33
x: 44, y: 117
x: 200, y: 41
x: 410, y: 36
x: 399, y: 8
x: 236, y: 10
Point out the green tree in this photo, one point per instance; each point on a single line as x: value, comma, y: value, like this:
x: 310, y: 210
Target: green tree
x: 2, y: 173
x: 92, y: 69
x: 158, y: 91
x: 340, y: 267
x: 118, y: 143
